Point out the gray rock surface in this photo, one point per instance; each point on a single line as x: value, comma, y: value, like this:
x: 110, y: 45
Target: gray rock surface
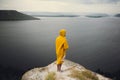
x: 68, y: 73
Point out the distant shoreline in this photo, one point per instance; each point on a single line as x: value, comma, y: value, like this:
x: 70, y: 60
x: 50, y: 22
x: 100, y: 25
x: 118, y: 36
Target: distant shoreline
x: 56, y: 15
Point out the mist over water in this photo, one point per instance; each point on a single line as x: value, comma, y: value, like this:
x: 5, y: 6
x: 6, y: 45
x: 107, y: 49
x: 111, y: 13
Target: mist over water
x: 93, y: 42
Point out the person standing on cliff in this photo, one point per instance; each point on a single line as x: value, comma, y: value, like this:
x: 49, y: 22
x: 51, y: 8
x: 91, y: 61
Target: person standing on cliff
x: 61, y: 47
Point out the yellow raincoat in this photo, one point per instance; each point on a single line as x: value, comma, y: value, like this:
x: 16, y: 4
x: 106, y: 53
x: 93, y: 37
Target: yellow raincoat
x: 61, y: 46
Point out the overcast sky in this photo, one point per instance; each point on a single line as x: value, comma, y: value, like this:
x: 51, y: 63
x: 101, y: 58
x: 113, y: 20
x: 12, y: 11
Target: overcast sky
x: 107, y: 6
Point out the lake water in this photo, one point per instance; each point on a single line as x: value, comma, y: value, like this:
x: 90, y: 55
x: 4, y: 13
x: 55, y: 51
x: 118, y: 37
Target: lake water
x: 93, y: 42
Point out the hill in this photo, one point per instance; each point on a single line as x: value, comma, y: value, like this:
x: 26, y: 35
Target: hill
x: 70, y: 71
x: 14, y: 15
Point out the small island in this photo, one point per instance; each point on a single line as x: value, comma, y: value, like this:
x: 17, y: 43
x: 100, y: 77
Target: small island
x: 117, y: 15
x: 11, y: 15
x: 97, y: 15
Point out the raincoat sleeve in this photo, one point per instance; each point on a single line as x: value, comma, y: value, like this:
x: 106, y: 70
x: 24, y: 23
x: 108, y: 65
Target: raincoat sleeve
x: 66, y: 44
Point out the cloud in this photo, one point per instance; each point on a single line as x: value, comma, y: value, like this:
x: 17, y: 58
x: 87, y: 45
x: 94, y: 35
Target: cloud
x: 109, y: 6
x: 86, y: 1
x: 67, y: 1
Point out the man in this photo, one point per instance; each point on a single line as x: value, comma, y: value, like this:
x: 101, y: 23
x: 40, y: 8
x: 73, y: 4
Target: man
x: 61, y: 47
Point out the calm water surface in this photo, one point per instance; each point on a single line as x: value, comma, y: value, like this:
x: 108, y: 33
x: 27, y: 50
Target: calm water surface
x: 94, y: 42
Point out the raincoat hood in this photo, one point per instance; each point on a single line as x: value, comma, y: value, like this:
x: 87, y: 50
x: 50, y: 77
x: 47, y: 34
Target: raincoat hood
x: 62, y: 32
